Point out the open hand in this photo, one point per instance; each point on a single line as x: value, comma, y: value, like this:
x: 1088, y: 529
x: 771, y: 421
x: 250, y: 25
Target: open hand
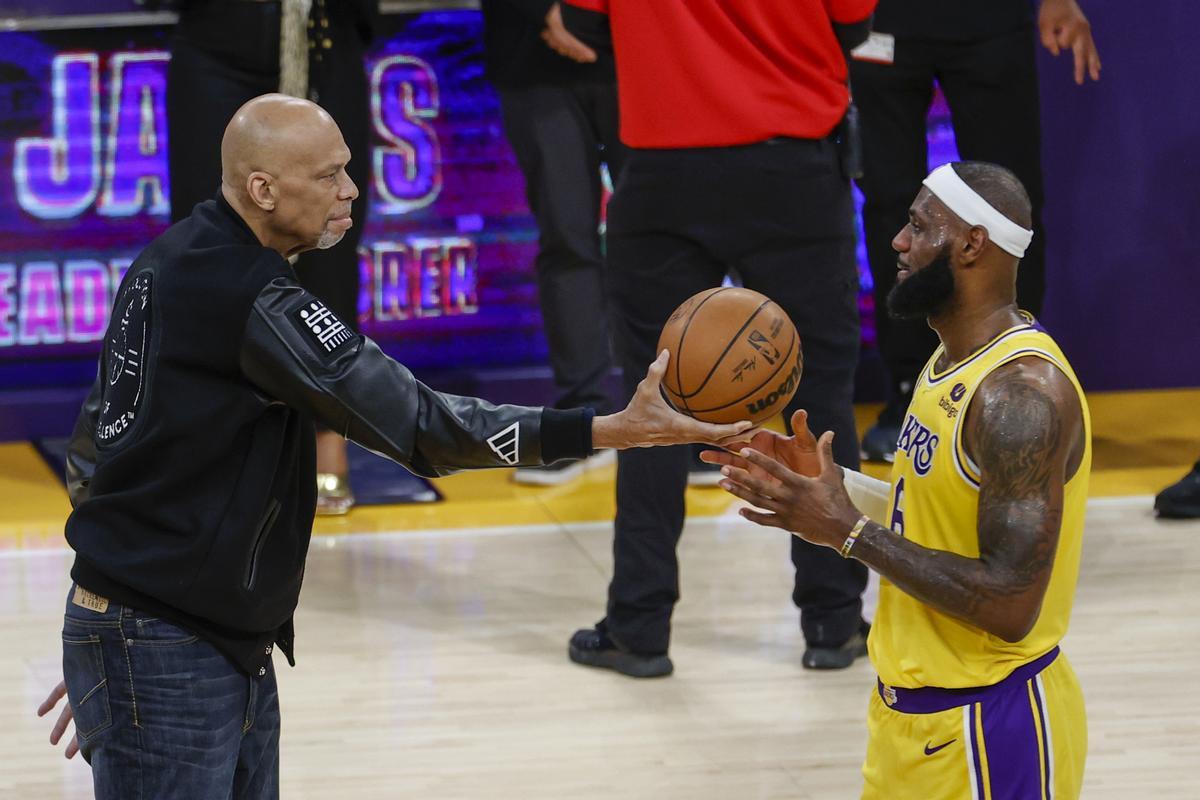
x: 560, y: 40
x: 648, y: 421
x: 817, y: 509
x: 64, y: 718
x: 1064, y: 27
x: 798, y: 452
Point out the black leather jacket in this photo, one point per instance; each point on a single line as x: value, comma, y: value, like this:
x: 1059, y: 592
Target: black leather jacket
x: 191, y: 468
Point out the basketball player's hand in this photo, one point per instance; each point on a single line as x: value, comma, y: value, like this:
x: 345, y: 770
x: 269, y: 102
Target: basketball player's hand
x: 648, y: 421
x: 798, y: 451
x: 64, y: 718
x: 560, y: 40
x: 1063, y: 26
x: 817, y: 509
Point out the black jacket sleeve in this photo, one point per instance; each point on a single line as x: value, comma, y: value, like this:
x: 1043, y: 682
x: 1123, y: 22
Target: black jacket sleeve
x: 81, y: 450
x: 297, y: 352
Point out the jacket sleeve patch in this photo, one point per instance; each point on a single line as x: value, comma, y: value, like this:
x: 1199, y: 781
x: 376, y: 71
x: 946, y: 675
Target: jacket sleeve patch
x: 321, y: 327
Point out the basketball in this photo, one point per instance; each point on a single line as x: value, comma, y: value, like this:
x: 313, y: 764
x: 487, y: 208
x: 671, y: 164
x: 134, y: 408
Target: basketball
x: 734, y: 355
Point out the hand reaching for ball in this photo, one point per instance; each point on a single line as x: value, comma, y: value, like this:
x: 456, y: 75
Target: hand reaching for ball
x: 798, y: 451
x: 648, y: 421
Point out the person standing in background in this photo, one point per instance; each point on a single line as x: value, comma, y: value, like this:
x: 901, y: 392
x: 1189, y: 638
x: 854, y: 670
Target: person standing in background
x: 560, y: 117
x: 981, y: 53
x: 225, y: 52
x: 731, y: 111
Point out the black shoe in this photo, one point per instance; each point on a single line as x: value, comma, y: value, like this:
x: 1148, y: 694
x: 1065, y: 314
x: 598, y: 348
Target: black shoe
x: 1181, y: 500
x: 841, y: 656
x: 593, y: 648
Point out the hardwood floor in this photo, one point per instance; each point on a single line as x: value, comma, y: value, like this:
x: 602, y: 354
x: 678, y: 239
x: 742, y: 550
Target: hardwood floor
x: 433, y: 665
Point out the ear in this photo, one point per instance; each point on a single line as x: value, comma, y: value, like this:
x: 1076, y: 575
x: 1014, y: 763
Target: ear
x: 261, y: 188
x: 973, y: 242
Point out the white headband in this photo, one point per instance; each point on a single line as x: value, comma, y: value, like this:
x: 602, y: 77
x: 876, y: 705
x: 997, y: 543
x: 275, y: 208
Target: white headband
x: 974, y: 210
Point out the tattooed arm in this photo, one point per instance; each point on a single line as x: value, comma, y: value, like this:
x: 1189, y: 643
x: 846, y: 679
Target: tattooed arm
x: 1024, y: 429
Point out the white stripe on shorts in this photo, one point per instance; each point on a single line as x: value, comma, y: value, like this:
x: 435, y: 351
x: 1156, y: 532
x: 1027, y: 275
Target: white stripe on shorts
x: 972, y: 775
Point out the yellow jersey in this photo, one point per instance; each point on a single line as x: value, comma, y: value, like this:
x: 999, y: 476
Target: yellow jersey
x: 935, y: 503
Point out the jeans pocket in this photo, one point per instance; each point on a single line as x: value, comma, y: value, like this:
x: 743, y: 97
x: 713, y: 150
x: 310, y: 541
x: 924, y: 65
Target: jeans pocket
x: 159, y: 633
x: 87, y: 687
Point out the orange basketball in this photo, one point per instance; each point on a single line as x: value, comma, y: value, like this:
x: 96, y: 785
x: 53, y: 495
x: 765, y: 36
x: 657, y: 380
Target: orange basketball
x: 734, y: 355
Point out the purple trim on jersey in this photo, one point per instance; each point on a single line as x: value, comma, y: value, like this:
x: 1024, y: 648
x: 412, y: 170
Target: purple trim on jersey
x: 935, y: 380
x: 1044, y: 718
x: 932, y: 699
x: 976, y: 744
x: 1011, y: 738
x: 964, y: 468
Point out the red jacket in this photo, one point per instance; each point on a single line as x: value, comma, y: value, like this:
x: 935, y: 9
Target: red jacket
x: 706, y: 73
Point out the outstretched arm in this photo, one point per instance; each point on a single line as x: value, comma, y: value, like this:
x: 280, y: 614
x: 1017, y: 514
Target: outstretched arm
x: 1024, y: 429
x: 348, y: 384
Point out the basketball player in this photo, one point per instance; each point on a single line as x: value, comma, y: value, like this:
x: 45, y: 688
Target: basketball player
x: 190, y: 469
x: 978, y: 536
x: 982, y: 55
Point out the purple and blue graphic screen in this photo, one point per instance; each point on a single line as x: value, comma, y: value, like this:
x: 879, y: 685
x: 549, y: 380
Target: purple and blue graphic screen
x: 446, y: 256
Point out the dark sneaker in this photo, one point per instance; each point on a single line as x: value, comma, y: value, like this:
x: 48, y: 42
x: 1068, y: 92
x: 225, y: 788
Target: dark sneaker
x: 593, y: 648
x: 1181, y: 500
x: 841, y: 656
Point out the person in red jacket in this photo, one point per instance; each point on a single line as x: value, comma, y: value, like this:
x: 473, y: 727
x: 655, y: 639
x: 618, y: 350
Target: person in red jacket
x: 733, y: 112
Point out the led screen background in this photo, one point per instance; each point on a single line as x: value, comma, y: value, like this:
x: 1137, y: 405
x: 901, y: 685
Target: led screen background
x: 445, y: 257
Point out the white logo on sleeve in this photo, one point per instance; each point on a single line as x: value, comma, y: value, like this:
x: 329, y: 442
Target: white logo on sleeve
x: 507, y: 444
x: 327, y: 330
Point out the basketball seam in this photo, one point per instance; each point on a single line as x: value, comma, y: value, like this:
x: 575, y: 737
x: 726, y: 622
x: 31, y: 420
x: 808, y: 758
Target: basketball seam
x: 766, y: 381
x: 679, y: 348
x: 717, y: 361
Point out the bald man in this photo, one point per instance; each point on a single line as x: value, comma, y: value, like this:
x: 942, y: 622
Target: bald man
x: 977, y: 537
x: 190, y: 468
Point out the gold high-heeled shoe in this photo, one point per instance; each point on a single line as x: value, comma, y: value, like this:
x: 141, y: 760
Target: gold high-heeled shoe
x: 334, y: 497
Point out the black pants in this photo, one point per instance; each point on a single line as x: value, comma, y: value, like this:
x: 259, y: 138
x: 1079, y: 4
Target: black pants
x: 991, y: 87
x: 560, y: 135
x: 778, y: 215
x: 206, y: 86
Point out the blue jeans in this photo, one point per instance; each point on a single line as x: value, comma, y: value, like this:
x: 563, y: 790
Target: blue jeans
x: 161, y: 713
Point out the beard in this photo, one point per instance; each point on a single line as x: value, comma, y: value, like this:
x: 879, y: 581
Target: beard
x: 925, y: 292
x: 329, y: 239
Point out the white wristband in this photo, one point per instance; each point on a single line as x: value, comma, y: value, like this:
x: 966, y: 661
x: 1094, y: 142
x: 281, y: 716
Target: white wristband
x: 869, y: 495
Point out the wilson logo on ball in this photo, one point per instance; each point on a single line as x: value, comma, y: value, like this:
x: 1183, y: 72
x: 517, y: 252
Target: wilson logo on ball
x: 734, y: 355
x: 784, y: 392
